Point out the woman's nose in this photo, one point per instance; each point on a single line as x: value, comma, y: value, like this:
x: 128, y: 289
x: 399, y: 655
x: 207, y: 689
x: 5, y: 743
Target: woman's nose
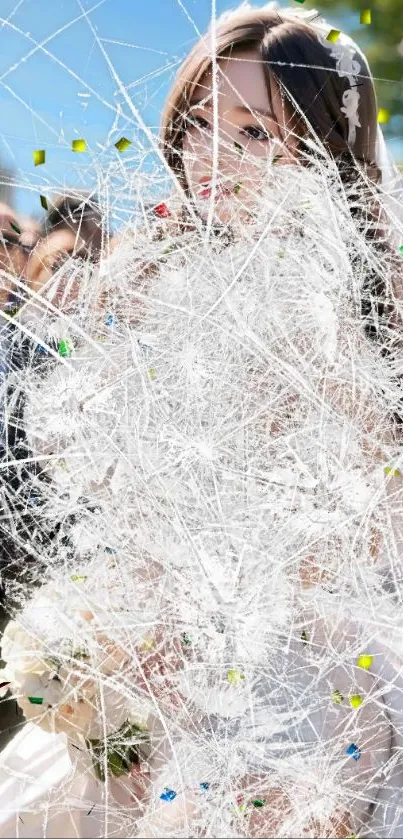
x: 227, y: 154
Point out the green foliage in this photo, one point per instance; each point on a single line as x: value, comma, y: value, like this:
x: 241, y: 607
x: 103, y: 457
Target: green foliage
x: 122, y: 749
x: 380, y: 41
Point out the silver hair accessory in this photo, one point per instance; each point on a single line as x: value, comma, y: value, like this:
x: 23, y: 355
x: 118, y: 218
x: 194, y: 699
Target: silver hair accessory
x: 345, y: 52
x: 351, y: 63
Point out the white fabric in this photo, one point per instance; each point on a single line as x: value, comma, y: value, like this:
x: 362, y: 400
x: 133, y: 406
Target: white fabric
x: 46, y: 789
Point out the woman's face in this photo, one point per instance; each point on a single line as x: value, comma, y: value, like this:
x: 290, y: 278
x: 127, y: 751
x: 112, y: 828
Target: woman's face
x: 249, y: 136
x: 51, y: 253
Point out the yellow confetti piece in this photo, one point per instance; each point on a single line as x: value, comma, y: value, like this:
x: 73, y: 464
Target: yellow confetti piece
x: 148, y: 644
x: 241, y: 807
x: 333, y: 36
x: 389, y: 470
x: 39, y: 157
x: 337, y: 697
x: 235, y: 677
x: 365, y: 661
x: 152, y: 374
x: 44, y: 202
x: 356, y: 700
x: 365, y: 16
x: 76, y: 578
x: 123, y: 144
x: 383, y: 115
x: 79, y: 145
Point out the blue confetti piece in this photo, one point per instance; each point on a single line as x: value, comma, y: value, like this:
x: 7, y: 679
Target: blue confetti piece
x: 353, y: 751
x: 204, y: 786
x: 168, y: 795
x: 110, y: 320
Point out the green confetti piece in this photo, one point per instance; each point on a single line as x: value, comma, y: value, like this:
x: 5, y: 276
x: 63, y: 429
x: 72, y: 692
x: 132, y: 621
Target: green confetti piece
x: 276, y: 158
x: 304, y: 637
x: 44, y: 202
x: 383, y: 116
x: 300, y: 1
x: 65, y: 349
x: 79, y: 145
x: 389, y: 470
x: 17, y: 229
x: 365, y: 661
x: 186, y: 639
x: 39, y: 156
x: 401, y: 248
x: 337, y: 697
x: 281, y: 253
x: 259, y: 802
x: 35, y: 700
x: 237, y: 188
x: 238, y: 147
x: 123, y: 144
x: 333, y: 36
x: 76, y: 578
x: 365, y: 16
x: 152, y: 374
x: 356, y: 700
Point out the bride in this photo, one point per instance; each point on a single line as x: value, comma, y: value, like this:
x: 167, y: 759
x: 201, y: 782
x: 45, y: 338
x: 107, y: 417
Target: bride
x: 214, y: 648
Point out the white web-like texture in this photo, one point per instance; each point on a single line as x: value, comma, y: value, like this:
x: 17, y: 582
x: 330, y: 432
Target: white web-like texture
x: 201, y: 509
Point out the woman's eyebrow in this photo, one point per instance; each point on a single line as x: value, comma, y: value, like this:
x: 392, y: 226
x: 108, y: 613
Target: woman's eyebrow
x: 240, y: 108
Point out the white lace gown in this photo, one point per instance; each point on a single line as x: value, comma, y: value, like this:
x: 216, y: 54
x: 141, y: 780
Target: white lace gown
x: 47, y: 788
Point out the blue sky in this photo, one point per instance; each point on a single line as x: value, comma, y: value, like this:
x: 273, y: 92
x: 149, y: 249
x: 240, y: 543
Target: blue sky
x: 62, y: 64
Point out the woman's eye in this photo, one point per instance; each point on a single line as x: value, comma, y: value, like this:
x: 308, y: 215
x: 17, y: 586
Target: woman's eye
x: 257, y: 133
x: 196, y: 122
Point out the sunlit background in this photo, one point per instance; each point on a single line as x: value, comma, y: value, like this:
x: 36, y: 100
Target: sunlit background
x: 80, y: 69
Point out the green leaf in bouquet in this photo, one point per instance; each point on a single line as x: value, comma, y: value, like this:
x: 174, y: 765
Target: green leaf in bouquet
x: 122, y: 749
x: 116, y: 764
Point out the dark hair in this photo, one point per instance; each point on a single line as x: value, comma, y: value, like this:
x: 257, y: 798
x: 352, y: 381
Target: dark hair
x: 74, y: 212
